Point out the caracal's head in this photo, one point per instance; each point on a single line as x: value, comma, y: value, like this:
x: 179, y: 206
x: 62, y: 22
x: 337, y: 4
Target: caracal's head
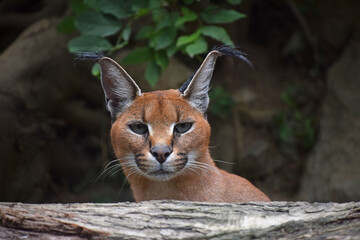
x: 162, y: 134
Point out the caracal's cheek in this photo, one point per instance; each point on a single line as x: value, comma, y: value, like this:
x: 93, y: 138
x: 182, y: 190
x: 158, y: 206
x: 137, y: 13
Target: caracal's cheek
x: 198, y: 136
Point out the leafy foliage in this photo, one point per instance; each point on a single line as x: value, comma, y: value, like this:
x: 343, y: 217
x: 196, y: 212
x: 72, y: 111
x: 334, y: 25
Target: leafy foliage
x: 296, y: 126
x: 168, y: 27
x: 221, y: 103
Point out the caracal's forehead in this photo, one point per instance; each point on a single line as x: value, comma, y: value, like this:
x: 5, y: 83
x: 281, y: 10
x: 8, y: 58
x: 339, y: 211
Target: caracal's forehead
x: 165, y: 107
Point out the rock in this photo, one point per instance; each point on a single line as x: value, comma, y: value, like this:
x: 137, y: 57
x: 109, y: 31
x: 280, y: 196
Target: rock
x: 336, y: 32
x: 332, y: 170
x: 244, y: 96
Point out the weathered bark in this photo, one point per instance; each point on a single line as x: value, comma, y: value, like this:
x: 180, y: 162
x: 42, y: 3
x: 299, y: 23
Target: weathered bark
x: 180, y: 220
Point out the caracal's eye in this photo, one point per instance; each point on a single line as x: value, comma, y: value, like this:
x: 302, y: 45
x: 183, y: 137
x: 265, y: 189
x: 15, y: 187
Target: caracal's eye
x: 183, y: 127
x: 139, y: 128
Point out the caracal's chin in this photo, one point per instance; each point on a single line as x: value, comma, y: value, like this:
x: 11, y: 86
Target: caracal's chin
x: 161, y: 175
x: 162, y: 172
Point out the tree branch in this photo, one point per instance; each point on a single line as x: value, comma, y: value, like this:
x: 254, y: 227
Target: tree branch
x: 178, y: 220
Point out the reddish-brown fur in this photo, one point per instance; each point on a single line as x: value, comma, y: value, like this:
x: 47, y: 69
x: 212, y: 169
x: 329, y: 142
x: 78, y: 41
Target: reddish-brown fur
x: 161, y: 109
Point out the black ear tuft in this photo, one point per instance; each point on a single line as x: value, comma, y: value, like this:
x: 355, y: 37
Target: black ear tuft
x: 232, y: 51
x: 186, y: 84
x: 92, y: 56
x: 226, y: 50
x: 196, y: 87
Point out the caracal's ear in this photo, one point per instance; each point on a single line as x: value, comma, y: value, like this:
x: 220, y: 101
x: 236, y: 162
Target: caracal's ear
x: 196, y: 88
x: 119, y: 88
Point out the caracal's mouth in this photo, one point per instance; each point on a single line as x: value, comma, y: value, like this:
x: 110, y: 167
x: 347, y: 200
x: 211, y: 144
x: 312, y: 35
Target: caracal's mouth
x: 154, y: 170
x: 160, y: 172
x: 161, y: 175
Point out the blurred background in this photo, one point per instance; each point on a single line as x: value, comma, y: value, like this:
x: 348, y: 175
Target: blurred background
x: 290, y: 124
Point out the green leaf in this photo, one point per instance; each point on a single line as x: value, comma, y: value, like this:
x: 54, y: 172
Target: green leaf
x: 167, y: 20
x: 234, y: 2
x: 217, y: 33
x: 126, y: 33
x: 152, y: 73
x: 152, y: 42
x: 213, y: 14
x: 144, y: 32
x: 118, y: 9
x: 171, y: 50
x: 221, y: 103
x: 188, y: 16
x: 199, y: 46
x: 95, y: 70
x: 183, y: 40
x: 161, y: 59
x: 163, y: 21
x: 66, y: 25
x: 138, y: 56
x: 119, y: 46
x: 141, y: 12
x: 152, y: 4
x: 95, y: 23
x: 165, y: 38
x: 78, y: 6
x: 88, y: 44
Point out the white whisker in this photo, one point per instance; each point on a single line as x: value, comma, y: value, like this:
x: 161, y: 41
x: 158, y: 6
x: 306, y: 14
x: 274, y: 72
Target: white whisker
x: 109, y: 168
x: 191, y: 168
x: 215, y: 146
x: 215, y: 160
x: 205, y: 167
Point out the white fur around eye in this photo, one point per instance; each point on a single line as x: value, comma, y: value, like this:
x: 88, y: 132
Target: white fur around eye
x: 150, y: 129
x: 171, y: 131
x: 190, y: 130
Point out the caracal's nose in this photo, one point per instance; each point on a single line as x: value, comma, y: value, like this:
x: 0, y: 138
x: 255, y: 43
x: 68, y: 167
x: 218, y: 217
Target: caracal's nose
x: 161, y: 153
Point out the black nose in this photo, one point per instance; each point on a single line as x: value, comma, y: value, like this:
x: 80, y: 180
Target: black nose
x: 161, y: 153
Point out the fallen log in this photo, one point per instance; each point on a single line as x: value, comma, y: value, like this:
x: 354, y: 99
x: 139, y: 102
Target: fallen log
x: 180, y: 220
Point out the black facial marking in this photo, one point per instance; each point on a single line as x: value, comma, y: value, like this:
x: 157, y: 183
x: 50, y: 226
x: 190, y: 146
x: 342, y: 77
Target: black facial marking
x: 178, y: 113
x: 186, y: 84
x: 143, y: 114
x: 181, y: 159
x: 160, y: 102
x: 93, y: 56
x: 180, y: 165
x: 143, y: 167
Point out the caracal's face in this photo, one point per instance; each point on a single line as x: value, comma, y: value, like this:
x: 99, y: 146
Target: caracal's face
x: 159, y: 136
